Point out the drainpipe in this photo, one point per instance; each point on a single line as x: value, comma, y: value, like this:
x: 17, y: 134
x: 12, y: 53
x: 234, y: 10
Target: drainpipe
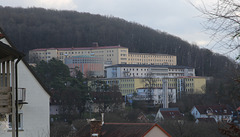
x: 16, y: 104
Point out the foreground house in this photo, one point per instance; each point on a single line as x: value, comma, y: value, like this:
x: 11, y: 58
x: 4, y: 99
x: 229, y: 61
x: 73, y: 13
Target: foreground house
x: 99, y: 129
x: 33, y: 98
x: 220, y: 113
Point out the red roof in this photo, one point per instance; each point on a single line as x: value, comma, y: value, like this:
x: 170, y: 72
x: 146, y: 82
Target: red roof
x: 78, y: 48
x: 238, y: 109
x: 171, y: 114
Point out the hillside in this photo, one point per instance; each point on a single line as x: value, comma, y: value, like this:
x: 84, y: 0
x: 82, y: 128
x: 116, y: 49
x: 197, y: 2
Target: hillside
x: 40, y: 28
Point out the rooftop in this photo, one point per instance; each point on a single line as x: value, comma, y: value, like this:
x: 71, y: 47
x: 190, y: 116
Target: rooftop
x: 79, y: 48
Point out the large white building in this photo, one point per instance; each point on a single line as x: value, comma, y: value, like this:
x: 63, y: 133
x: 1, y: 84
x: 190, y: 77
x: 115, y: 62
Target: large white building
x: 136, y: 70
x: 33, y: 98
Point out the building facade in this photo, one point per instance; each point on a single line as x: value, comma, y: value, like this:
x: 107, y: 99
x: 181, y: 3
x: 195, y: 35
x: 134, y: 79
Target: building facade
x: 151, y: 58
x: 193, y: 85
x: 157, y: 95
x: 88, y: 65
x: 111, y: 55
x: 32, y: 107
x: 135, y: 70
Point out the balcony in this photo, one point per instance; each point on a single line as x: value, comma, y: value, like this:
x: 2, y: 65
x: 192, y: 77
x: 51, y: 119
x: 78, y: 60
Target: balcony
x: 22, y: 96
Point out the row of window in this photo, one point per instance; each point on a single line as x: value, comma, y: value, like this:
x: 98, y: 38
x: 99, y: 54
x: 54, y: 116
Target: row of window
x: 147, y: 56
x: 135, y: 69
x: 146, y: 60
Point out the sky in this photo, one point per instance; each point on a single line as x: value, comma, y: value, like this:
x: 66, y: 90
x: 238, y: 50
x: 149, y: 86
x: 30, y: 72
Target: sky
x: 176, y: 17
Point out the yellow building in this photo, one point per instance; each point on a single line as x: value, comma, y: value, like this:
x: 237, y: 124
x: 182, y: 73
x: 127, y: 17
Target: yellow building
x: 147, y: 58
x: 111, y: 55
x: 190, y: 85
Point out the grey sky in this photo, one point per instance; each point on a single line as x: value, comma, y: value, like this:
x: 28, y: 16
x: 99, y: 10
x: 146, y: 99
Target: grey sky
x: 176, y: 17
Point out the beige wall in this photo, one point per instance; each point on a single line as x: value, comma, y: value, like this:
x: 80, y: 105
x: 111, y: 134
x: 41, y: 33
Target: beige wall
x: 196, y: 85
x: 200, y: 85
x: 147, y: 58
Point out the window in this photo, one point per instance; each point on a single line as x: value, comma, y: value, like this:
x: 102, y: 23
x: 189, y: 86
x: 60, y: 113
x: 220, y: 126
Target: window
x: 20, y: 121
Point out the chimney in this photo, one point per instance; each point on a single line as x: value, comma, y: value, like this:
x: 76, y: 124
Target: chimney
x: 102, y: 118
x: 95, y: 128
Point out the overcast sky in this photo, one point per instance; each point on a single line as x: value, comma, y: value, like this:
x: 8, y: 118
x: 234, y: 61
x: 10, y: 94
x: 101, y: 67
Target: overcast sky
x: 176, y: 17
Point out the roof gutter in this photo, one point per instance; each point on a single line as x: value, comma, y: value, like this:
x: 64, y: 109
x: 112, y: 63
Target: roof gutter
x: 16, y: 103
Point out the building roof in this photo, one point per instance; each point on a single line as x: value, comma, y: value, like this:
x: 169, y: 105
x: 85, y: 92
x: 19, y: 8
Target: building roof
x: 215, y: 109
x: 14, y: 51
x: 170, y: 113
x: 124, y: 130
x: 79, y: 48
x: 7, y: 52
x: 151, y: 66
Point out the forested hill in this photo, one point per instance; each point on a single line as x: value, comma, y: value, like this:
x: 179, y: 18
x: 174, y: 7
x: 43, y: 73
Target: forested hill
x: 40, y: 28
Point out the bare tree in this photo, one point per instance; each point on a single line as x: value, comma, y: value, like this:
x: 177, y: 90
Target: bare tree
x: 149, y: 84
x: 223, y: 21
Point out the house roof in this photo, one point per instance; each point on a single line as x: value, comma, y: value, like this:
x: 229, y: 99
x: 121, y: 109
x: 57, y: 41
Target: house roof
x: 7, y: 52
x: 17, y: 53
x: 124, y: 130
x: 215, y: 109
x: 170, y: 113
x: 238, y: 109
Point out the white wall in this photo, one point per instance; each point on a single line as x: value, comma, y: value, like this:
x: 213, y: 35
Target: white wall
x: 36, y: 113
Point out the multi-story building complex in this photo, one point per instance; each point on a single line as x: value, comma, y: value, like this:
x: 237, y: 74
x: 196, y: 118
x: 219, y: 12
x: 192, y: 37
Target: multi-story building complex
x: 88, y: 65
x: 111, y: 55
x: 135, y: 70
x: 129, y: 85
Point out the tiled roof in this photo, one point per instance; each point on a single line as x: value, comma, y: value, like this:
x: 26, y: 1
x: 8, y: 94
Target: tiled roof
x: 79, y: 48
x: 215, y: 109
x: 7, y: 51
x: 170, y: 113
